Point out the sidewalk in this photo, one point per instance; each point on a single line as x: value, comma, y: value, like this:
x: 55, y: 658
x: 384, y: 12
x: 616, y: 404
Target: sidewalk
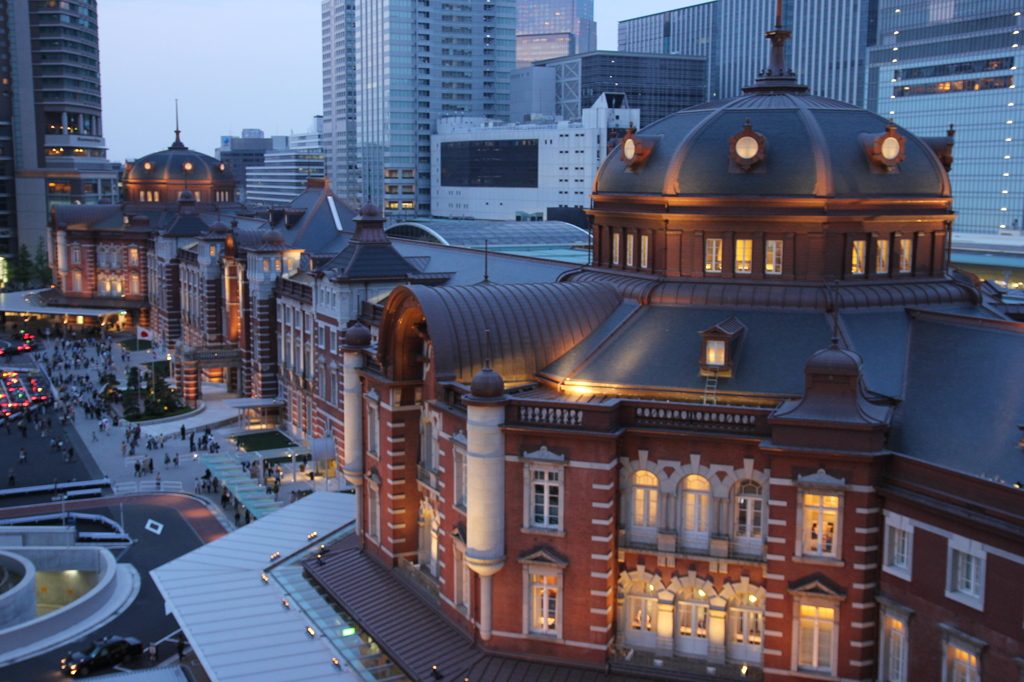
x: 106, y: 451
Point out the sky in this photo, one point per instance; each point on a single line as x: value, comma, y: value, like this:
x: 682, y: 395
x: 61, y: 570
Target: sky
x: 231, y: 64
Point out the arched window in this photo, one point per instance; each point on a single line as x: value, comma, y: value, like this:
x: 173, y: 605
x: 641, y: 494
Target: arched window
x: 692, y: 621
x: 645, y: 500
x: 749, y: 510
x: 696, y: 499
x: 641, y: 614
x: 746, y: 627
x: 135, y: 283
x: 428, y: 536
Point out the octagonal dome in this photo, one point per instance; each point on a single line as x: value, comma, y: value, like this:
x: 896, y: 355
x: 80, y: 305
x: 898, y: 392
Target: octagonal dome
x: 178, y: 163
x: 813, y: 146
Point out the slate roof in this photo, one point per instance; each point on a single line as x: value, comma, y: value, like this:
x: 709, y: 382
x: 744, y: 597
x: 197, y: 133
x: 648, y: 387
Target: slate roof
x: 326, y: 215
x: 369, y: 255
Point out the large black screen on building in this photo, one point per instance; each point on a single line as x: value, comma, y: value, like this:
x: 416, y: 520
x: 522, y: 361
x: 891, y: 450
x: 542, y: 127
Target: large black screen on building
x: 489, y: 163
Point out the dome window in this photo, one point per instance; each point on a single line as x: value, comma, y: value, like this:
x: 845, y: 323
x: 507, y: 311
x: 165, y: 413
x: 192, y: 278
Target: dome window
x: 636, y: 149
x: 885, y: 150
x: 747, y: 148
x: 148, y: 166
x: 188, y: 166
x: 221, y: 167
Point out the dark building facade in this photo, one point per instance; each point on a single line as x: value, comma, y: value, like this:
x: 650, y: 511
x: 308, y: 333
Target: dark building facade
x: 768, y: 433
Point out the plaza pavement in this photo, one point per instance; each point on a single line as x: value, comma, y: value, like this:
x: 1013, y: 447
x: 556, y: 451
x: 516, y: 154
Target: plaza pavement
x: 105, y: 450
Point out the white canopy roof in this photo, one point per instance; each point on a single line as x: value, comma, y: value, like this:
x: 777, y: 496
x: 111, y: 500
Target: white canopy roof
x: 236, y: 623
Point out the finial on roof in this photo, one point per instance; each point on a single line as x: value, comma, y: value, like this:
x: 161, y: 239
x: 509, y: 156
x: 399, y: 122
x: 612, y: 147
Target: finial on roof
x: 177, y: 130
x: 777, y: 77
x: 487, y: 278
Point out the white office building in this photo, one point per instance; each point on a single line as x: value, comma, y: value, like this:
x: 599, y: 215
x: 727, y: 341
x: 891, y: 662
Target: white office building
x: 284, y: 172
x: 491, y: 170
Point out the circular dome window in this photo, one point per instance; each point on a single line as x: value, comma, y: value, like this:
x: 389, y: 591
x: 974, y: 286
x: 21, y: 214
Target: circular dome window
x: 188, y: 166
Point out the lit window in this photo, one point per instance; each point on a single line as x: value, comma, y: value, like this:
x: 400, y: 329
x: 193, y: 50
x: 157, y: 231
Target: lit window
x: 641, y: 612
x: 615, y: 248
x: 692, y: 621
x: 961, y: 665
x: 213, y: 250
x: 266, y: 265
x: 76, y: 281
x: 882, y: 256
x: 817, y: 625
x: 773, y: 257
x: 749, y: 510
x: 135, y: 283
x: 744, y: 251
x: 713, y: 255
x: 906, y: 255
x: 857, y: 257
x: 544, y: 603
x: 629, y: 250
x: 715, y: 353
x: 821, y: 523
x: 894, y: 650
x: 696, y: 500
x: 746, y: 627
x: 644, y: 245
x: 547, y: 499
x: 645, y: 500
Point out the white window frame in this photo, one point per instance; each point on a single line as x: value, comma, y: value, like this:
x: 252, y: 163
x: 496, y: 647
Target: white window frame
x: 645, y: 500
x: 616, y: 245
x: 373, y: 510
x: 754, y: 529
x: 805, y: 545
x: 954, y: 641
x: 459, y: 456
x: 906, y: 255
x: 858, y: 256
x: 882, y: 256
x: 372, y: 440
x: 713, y: 254
x: 894, y: 645
x: 817, y: 664
x: 965, y: 554
x: 463, y: 579
x: 535, y: 590
x: 695, y: 510
x: 630, y: 242
x: 645, y: 244
x: 744, y: 256
x: 133, y: 255
x: 547, y: 491
x: 714, y: 353
x: 899, y: 535
x: 773, y: 250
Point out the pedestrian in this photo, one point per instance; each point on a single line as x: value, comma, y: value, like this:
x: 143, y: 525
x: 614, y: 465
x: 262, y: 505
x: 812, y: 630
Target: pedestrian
x: 247, y: 517
x: 10, y: 477
x: 183, y: 432
x: 175, y: 461
x: 197, y: 484
x: 152, y: 651
x: 150, y: 465
x: 181, y: 647
x: 158, y: 481
x: 138, y: 468
x: 22, y: 457
x: 238, y: 518
x: 167, y: 461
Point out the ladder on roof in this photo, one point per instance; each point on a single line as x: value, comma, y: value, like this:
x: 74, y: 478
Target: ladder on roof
x: 711, y: 387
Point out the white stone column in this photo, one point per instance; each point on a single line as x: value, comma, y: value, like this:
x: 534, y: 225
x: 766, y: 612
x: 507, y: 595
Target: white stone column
x: 485, y: 497
x: 353, y: 392
x: 62, y: 252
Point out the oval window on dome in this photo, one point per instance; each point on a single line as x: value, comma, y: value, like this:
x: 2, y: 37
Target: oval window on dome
x: 746, y: 147
x: 629, y: 148
x: 148, y: 166
x: 221, y: 168
x: 890, y: 148
x: 188, y: 166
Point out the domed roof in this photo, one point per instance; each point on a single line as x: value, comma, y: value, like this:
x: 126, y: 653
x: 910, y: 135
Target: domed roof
x: 813, y: 147
x: 833, y: 360
x: 219, y: 227
x: 273, y: 238
x: 358, y: 336
x: 179, y: 163
x: 794, y: 145
x: 487, y: 384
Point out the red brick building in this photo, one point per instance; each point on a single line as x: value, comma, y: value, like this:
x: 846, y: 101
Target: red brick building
x: 768, y: 432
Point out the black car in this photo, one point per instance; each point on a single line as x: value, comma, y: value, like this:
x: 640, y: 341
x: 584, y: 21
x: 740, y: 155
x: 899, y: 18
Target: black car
x: 103, y: 653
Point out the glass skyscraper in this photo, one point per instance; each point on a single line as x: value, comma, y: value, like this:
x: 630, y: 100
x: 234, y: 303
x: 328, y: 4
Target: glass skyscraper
x: 940, y: 63
x: 546, y: 29
x: 925, y: 63
x: 403, y: 64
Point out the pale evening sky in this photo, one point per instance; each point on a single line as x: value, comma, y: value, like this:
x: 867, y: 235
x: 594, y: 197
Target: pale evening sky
x: 232, y: 64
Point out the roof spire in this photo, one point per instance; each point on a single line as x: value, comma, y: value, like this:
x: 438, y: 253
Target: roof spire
x: 177, y: 130
x: 487, y: 254
x: 777, y: 77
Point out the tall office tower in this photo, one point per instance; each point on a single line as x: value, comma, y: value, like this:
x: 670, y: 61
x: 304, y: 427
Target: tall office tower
x: 827, y: 53
x: 8, y: 237
x: 240, y: 153
x: 657, y: 85
x: 59, y: 151
x: 284, y: 173
x: 546, y: 29
x: 689, y: 30
x: 937, y: 63
x: 415, y: 62
x: 339, y: 84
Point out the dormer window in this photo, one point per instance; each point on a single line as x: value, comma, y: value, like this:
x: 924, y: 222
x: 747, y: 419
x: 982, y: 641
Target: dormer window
x: 714, y: 353
x: 719, y: 347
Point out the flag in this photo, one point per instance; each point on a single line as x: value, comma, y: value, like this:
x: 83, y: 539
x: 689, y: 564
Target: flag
x: 143, y: 334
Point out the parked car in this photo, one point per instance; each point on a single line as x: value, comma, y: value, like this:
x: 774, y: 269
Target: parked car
x: 103, y: 653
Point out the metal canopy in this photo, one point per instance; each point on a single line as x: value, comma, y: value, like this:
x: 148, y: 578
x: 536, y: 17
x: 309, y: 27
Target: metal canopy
x: 30, y: 302
x: 236, y: 622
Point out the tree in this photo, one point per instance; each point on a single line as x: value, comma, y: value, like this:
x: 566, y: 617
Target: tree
x: 42, y: 265
x: 19, y: 272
